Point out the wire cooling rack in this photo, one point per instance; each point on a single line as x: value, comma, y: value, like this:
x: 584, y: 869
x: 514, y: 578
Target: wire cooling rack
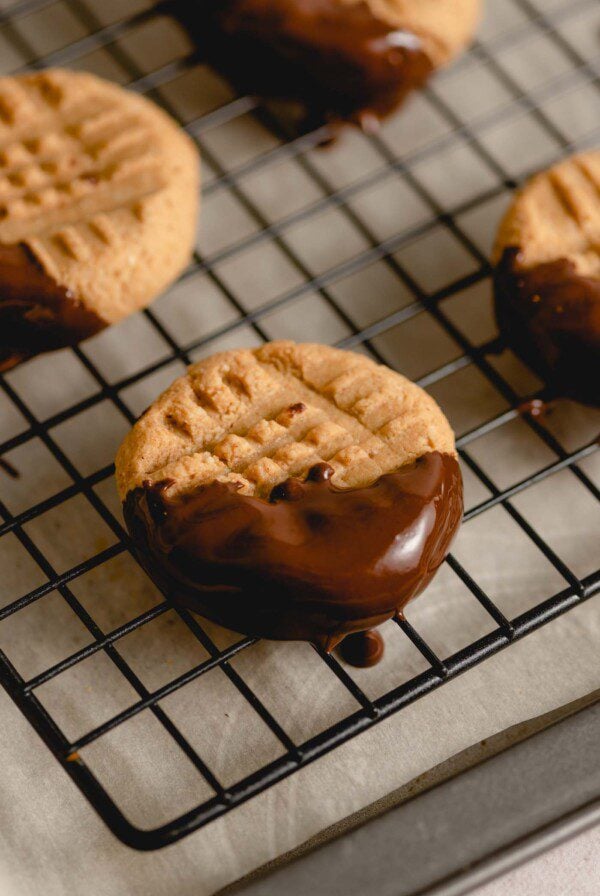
x: 379, y: 244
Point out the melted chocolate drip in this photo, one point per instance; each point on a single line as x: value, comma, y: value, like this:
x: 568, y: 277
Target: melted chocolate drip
x: 314, y: 562
x: 36, y: 314
x: 536, y: 408
x: 362, y: 649
x: 550, y: 317
x: 338, y: 60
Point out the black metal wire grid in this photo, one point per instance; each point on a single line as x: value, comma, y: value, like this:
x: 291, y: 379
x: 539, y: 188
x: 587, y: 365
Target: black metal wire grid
x: 98, y: 34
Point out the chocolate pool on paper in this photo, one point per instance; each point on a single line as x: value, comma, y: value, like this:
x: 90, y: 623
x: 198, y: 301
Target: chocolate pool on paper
x: 314, y: 562
x: 337, y: 60
x: 362, y: 649
x: 550, y: 316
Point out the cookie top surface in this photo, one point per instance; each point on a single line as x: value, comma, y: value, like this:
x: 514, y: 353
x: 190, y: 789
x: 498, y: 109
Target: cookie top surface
x: 258, y: 417
x: 99, y: 184
x: 556, y: 216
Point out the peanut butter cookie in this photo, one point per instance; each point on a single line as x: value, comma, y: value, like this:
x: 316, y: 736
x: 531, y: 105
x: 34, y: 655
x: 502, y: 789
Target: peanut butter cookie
x: 547, y: 277
x: 98, y: 203
x: 292, y: 491
x: 341, y: 59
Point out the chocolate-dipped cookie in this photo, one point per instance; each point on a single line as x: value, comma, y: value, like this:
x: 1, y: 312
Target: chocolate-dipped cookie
x: 341, y: 59
x: 98, y: 203
x: 547, y: 277
x: 292, y: 491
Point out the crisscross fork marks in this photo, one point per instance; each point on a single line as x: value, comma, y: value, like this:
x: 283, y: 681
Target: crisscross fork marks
x: 259, y: 417
x: 62, y: 162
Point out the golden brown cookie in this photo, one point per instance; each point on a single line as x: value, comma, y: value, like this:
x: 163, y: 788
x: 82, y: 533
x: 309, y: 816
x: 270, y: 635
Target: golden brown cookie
x: 342, y: 59
x: 547, y: 276
x: 292, y: 491
x: 98, y: 204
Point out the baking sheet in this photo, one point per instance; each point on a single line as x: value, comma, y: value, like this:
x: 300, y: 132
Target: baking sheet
x: 315, y: 289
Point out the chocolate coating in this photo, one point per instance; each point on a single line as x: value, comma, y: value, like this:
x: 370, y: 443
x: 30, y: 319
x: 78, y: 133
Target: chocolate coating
x: 362, y: 649
x: 36, y: 314
x: 550, y: 317
x: 339, y: 61
x: 314, y: 562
